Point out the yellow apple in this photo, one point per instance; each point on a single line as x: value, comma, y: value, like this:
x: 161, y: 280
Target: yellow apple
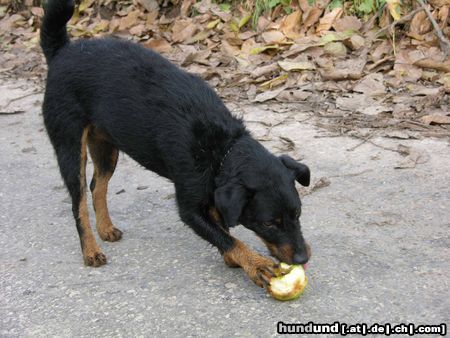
x: 290, y: 284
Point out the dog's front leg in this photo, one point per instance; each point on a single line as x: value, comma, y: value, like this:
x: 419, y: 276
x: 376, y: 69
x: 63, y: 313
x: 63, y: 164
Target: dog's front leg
x: 235, y: 253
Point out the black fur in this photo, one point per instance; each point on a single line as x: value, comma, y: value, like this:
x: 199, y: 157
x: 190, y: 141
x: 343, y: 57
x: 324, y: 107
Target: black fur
x: 173, y: 123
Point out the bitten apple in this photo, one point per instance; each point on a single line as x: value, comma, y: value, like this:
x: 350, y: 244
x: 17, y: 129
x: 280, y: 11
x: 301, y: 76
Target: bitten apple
x: 289, y: 284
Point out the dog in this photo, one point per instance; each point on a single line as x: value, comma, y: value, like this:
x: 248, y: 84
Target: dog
x: 108, y: 95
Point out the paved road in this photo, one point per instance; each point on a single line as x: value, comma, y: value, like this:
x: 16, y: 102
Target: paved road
x: 380, y: 240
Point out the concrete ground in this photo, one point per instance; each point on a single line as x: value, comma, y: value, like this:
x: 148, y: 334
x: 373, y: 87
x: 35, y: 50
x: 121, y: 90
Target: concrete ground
x: 380, y: 239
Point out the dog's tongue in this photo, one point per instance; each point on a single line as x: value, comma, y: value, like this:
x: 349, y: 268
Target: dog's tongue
x: 305, y: 266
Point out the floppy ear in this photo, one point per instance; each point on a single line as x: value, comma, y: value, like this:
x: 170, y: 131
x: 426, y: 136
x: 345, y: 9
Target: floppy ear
x: 301, y: 171
x: 230, y: 199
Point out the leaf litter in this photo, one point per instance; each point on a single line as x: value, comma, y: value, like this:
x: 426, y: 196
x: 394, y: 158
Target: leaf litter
x: 385, y: 71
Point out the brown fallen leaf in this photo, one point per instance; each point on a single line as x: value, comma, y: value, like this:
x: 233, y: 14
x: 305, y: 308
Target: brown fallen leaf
x: 132, y: 19
x: 310, y: 18
x: 339, y: 74
x: 337, y: 49
x: 328, y: 19
x: 137, y: 30
x: 404, y: 69
x: 347, y: 23
x: 295, y: 66
x: 276, y: 81
x: 435, y: 119
x: 290, y: 25
x: 149, y: 5
x: 293, y: 95
x: 260, y: 49
x: 264, y: 70
x: 186, y: 7
x: 419, y: 90
x: 38, y: 11
x: 160, y: 45
x: 355, y: 42
x: 432, y: 64
x: 371, y: 84
x: 273, y: 37
x: 183, y: 29
x: 268, y: 95
x: 413, y: 158
x: 420, y: 24
x: 198, y: 57
x: 401, y: 134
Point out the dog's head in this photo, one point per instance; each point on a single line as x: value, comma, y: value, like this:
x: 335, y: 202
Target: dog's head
x: 263, y: 198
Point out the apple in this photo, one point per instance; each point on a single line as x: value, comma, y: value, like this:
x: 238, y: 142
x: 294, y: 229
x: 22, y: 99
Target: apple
x: 289, y: 284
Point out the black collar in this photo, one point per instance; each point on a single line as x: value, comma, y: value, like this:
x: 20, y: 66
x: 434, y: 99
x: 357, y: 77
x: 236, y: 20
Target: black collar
x: 230, y: 147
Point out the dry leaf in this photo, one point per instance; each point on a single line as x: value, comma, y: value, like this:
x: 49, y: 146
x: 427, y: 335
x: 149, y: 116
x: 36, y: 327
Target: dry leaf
x: 293, y: 95
x: 347, y: 23
x: 274, y: 82
x: 137, y: 30
x: 355, y: 42
x: 38, y: 11
x: 290, y: 25
x: 394, y: 8
x: 435, y: 119
x: 149, y: 5
x: 371, y: 84
x: 213, y: 24
x: 185, y: 7
x: 419, y: 90
x: 261, y: 49
x: 404, y: 69
x: 413, y: 158
x: 132, y: 19
x: 310, y: 18
x: 268, y: 95
x: 228, y: 49
x: 302, y: 65
x: 265, y: 70
x: 160, y: 45
x: 183, y: 29
x: 337, y: 49
x: 273, y: 37
x: 327, y: 20
x: 420, y: 24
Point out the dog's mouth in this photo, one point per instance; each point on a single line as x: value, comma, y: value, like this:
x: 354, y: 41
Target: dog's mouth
x: 286, y: 253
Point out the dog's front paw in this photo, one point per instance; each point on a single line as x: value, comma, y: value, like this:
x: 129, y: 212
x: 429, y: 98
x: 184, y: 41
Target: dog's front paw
x: 110, y: 234
x: 94, y: 258
x: 262, y: 271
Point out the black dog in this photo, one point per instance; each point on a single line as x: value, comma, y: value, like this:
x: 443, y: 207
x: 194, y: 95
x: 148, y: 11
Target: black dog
x: 107, y: 95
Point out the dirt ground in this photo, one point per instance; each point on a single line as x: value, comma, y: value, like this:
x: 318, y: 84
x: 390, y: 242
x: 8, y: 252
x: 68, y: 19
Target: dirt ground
x: 377, y: 218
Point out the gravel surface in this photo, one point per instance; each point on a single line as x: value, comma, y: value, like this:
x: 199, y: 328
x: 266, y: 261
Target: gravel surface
x: 380, y: 239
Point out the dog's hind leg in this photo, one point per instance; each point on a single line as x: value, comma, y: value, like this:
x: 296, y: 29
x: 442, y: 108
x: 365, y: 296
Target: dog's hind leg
x: 69, y: 139
x: 104, y: 155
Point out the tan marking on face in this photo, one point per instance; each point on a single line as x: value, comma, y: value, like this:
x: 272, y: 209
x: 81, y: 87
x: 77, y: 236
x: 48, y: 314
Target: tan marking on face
x: 284, y: 252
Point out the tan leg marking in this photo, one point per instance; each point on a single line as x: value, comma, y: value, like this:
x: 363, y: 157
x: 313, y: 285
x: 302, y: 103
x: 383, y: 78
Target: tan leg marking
x: 260, y: 269
x: 93, y: 255
x: 105, y: 227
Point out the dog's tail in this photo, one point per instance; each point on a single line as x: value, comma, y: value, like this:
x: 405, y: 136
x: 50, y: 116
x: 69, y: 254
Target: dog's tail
x: 53, y: 29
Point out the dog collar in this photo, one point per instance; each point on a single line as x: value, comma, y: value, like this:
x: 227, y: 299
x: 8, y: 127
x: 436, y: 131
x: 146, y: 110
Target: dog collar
x: 226, y: 154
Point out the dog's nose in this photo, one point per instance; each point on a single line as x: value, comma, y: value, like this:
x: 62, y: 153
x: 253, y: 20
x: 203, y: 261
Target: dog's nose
x: 300, y: 258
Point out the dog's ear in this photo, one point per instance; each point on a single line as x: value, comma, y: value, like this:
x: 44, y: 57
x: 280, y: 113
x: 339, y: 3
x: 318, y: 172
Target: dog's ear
x: 301, y: 171
x: 230, y: 199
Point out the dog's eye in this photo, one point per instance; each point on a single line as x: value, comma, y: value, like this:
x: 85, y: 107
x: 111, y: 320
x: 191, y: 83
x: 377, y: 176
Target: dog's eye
x: 267, y: 224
